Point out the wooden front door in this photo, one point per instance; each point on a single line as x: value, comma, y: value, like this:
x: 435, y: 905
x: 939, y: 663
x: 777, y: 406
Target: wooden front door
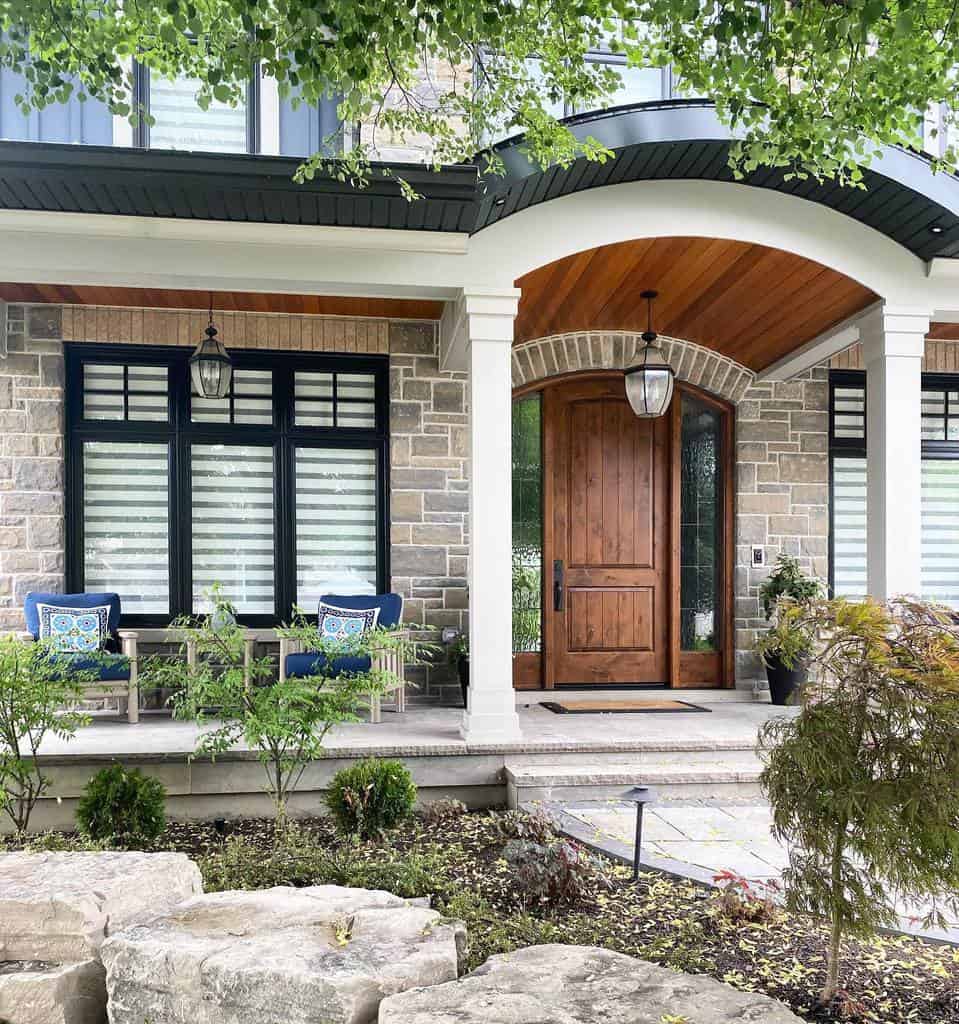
x: 605, y: 552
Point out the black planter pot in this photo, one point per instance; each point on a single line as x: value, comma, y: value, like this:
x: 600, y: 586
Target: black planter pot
x: 463, y: 669
x: 785, y: 682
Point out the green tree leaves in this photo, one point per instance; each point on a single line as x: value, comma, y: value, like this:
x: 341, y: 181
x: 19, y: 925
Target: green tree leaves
x: 813, y: 86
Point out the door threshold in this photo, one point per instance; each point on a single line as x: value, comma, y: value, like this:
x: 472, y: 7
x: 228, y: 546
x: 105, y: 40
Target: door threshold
x: 607, y: 686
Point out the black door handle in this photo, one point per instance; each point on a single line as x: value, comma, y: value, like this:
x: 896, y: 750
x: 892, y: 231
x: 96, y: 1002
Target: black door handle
x: 559, y: 590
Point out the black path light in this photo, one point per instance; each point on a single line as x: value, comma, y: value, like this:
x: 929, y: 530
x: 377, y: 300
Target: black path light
x: 649, y: 382
x: 210, y: 366
x: 640, y: 796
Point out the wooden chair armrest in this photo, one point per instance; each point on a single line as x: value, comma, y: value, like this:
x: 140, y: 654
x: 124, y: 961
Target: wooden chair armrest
x: 25, y: 635
x: 125, y: 634
x: 128, y: 641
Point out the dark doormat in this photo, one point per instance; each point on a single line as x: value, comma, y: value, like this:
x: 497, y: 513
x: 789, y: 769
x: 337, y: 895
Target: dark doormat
x: 621, y: 707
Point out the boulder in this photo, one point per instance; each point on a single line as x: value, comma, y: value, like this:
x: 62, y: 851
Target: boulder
x: 580, y: 985
x: 59, y: 907
x: 39, y: 993
x: 319, y: 955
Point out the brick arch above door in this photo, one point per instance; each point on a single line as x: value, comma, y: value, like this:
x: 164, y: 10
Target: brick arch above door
x: 561, y: 354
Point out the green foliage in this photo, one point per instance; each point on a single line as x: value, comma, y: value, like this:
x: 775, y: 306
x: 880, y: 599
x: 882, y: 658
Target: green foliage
x: 787, y: 581
x: 371, y: 797
x: 284, y: 722
x: 863, y: 780
x: 785, y: 593
x: 788, y: 640
x: 296, y: 858
x: 122, y: 805
x: 554, y: 875
x: 813, y: 87
x: 36, y: 695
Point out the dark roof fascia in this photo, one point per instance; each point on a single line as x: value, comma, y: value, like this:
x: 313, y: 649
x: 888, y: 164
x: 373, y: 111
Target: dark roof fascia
x: 106, y: 164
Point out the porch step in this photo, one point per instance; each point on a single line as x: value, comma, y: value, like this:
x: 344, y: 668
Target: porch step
x: 737, y: 778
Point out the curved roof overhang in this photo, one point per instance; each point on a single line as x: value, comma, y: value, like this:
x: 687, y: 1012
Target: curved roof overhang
x: 685, y: 141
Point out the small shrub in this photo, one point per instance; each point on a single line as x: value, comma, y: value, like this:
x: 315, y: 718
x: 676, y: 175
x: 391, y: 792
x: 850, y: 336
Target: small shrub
x: 436, y: 812
x: 530, y: 826
x: 553, y: 875
x: 122, y: 805
x: 370, y: 797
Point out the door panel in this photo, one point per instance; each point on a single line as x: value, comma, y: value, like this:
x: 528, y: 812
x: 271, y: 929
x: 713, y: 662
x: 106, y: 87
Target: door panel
x: 607, y: 491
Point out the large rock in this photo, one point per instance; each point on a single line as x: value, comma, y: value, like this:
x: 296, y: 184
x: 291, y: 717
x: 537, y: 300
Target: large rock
x: 579, y: 985
x: 36, y: 993
x: 59, y: 907
x: 321, y: 955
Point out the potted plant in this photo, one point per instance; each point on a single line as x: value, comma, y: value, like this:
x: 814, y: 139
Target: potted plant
x: 460, y: 655
x: 785, y: 646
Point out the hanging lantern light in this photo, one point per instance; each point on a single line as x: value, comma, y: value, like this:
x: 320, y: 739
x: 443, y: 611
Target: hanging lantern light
x: 210, y: 366
x: 649, y: 382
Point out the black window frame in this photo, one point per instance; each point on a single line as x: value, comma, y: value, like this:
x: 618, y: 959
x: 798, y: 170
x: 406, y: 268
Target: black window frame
x: 855, y: 447
x: 180, y: 432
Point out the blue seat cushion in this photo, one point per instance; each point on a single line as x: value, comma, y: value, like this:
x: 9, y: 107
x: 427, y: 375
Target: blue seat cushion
x: 78, y: 601
x: 302, y: 666
x: 390, y: 605
x: 114, y: 669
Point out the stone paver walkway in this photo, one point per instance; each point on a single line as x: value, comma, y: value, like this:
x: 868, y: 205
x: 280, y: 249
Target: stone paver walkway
x: 699, y: 839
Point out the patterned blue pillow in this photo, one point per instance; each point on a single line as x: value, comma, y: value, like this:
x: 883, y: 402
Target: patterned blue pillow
x: 345, y: 623
x: 74, y: 630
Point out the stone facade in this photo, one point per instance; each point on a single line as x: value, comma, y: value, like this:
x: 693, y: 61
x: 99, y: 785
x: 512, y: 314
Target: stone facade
x: 782, y: 493
x: 31, y: 469
x: 429, y: 487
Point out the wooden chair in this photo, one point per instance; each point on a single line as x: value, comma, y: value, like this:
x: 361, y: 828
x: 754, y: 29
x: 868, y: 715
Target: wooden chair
x: 297, y: 664
x: 117, y: 679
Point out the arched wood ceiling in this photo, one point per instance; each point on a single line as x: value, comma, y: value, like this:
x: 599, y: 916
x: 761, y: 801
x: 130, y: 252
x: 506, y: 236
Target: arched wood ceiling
x: 752, y: 303
x: 251, y: 302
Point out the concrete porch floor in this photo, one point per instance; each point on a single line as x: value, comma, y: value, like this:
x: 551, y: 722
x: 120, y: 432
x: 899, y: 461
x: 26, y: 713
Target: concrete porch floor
x: 730, y: 723
x: 595, y: 755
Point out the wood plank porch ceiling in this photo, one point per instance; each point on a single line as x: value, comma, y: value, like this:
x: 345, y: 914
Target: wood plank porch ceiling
x: 251, y: 302
x: 750, y: 302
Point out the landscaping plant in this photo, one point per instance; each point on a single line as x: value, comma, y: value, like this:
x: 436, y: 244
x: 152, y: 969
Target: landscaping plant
x: 371, y: 797
x: 284, y: 722
x: 123, y: 806
x: 555, y: 874
x: 863, y: 780
x: 37, y: 697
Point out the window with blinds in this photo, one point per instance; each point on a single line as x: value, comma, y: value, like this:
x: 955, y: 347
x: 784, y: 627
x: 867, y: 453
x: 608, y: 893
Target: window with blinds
x: 232, y: 538
x: 939, y: 495
x: 276, y: 492
x: 180, y: 123
x: 336, y: 523
x: 126, y: 523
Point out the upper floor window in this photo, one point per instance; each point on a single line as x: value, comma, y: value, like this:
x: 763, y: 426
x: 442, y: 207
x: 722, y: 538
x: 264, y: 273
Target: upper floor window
x: 179, y: 122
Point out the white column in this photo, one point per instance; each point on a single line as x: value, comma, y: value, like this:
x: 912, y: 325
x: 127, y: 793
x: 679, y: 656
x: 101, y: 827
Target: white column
x: 484, y: 324
x: 893, y: 341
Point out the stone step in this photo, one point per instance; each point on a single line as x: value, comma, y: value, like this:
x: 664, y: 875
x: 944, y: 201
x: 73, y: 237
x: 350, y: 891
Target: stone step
x: 679, y: 779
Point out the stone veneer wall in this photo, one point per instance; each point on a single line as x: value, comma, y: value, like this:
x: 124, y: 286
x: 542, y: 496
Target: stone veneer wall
x: 428, y: 422
x: 782, y: 493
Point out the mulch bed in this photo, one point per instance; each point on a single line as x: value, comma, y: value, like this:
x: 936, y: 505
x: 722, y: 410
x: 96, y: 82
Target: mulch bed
x: 889, y: 980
